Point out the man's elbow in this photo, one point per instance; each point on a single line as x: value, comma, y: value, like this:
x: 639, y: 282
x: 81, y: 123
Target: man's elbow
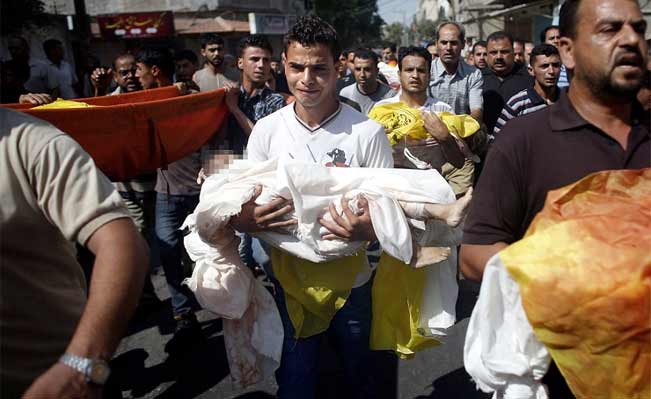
x: 469, y: 267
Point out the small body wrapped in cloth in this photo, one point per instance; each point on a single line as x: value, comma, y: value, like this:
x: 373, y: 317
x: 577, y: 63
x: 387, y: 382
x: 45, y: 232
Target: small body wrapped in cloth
x: 224, y: 286
x: 577, y: 288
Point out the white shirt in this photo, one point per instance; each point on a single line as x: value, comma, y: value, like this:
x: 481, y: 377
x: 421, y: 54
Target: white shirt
x: 41, y: 78
x: 66, y: 77
x: 346, y: 138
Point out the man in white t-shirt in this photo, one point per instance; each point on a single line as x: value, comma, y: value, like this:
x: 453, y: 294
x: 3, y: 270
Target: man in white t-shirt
x: 319, y: 129
x: 61, y: 68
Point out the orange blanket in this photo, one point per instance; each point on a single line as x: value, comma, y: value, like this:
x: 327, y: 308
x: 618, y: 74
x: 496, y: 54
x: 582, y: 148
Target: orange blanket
x: 135, y: 133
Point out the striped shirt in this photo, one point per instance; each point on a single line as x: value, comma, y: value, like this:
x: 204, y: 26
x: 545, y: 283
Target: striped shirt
x: 563, y: 79
x: 522, y: 103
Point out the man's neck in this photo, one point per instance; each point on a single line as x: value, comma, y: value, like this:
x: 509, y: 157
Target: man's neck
x: 451, y: 69
x: 163, y: 82
x: 314, y: 116
x: 547, y: 93
x: 414, y: 100
x: 250, y: 86
x: 214, y: 69
x: 612, y: 116
x: 370, y: 89
x: 505, y: 74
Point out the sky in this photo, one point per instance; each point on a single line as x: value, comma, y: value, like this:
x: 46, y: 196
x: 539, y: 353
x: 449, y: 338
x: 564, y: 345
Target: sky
x: 392, y: 10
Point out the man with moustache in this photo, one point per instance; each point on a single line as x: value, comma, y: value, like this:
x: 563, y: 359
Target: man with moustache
x: 212, y: 75
x: 598, y: 125
x: 528, y: 47
x: 518, y: 51
x: 123, y: 72
x: 545, y: 68
x: 503, y: 78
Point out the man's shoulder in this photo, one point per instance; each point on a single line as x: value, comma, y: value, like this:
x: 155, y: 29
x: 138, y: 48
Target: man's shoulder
x: 29, y: 133
x: 518, y: 97
x: 360, y: 123
x: 527, y: 129
x: 348, y: 91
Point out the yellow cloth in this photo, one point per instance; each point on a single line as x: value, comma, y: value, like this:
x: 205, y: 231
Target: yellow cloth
x: 400, y: 120
x: 584, y: 273
x: 314, y: 292
x: 60, y: 103
x: 397, y: 297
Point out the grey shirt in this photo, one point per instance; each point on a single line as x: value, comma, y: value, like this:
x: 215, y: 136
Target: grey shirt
x: 366, y: 102
x: 462, y: 90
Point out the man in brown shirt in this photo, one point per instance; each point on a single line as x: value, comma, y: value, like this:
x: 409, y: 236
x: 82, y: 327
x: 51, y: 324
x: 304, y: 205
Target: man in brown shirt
x: 597, y: 126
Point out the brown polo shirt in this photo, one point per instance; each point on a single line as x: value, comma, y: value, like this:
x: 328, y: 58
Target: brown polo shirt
x: 537, y: 153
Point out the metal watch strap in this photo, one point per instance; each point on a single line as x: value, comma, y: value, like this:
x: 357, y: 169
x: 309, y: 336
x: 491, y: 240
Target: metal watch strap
x: 81, y: 364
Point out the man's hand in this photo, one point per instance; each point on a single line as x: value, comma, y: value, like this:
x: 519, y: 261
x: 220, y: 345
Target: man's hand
x: 435, y: 127
x: 186, y: 88
x: 254, y: 217
x: 35, y: 99
x: 101, y: 79
x: 349, y: 227
x: 61, y: 381
x: 232, y: 97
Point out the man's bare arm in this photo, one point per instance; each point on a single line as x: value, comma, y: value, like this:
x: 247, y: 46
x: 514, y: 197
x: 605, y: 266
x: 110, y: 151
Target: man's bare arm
x: 437, y: 129
x: 476, y: 114
x: 473, y: 258
x: 232, y: 96
x: 120, y: 266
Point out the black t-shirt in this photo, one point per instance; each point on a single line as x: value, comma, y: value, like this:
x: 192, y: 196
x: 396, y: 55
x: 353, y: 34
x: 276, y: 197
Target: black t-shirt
x: 497, y: 92
x: 539, y: 152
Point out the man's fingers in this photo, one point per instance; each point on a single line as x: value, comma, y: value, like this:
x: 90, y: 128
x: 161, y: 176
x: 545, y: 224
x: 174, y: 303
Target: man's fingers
x: 262, y: 220
x: 335, y: 230
x: 282, y: 224
x: 340, y: 220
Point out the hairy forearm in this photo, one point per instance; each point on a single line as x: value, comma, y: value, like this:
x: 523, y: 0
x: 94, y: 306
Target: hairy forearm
x: 476, y: 114
x: 473, y: 258
x: 452, y: 152
x: 120, y: 267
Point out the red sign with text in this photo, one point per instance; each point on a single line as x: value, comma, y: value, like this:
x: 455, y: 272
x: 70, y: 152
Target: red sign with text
x: 136, y: 25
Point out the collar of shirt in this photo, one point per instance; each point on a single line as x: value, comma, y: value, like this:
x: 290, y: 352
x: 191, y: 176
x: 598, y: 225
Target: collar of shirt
x: 563, y: 116
x: 256, y: 93
x: 320, y: 125
x: 518, y: 70
x: 439, y: 71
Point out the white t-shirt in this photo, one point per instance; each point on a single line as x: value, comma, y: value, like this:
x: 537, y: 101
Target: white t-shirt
x: 346, y: 138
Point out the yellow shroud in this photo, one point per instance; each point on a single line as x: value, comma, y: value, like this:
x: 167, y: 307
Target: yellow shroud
x: 400, y: 120
x: 584, y: 273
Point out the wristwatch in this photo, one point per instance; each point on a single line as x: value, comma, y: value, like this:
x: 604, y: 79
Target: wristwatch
x: 97, y: 371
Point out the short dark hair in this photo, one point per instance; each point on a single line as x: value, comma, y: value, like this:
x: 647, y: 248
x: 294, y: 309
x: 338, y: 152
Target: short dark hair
x: 430, y: 43
x: 186, y: 54
x: 461, y: 29
x: 414, y: 51
x: 390, y: 45
x: 498, y: 36
x: 119, y: 57
x: 160, y: 57
x: 543, y: 34
x: 543, y: 49
x: 51, y: 44
x: 480, y: 43
x: 568, y: 17
x: 366, y: 54
x: 310, y: 30
x: 20, y: 69
x: 210, y: 38
x: 259, y: 41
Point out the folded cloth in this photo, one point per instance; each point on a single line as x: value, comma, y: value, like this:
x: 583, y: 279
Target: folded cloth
x: 577, y: 288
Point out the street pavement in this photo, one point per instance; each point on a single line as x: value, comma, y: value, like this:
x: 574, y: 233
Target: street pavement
x: 142, y: 368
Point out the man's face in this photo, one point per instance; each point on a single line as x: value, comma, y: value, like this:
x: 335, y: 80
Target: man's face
x: 388, y: 54
x: 184, y: 69
x: 449, y: 45
x: 414, y: 74
x: 609, y: 52
x: 433, y: 50
x: 546, y: 70
x: 125, y: 74
x: 480, y: 56
x: 552, y: 36
x: 528, y: 48
x: 311, y: 74
x: 255, y: 64
x: 500, y: 56
x: 18, y: 50
x: 366, y: 73
x: 55, y: 54
x: 214, y: 54
x: 518, y: 52
x: 276, y: 66
x: 145, y: 75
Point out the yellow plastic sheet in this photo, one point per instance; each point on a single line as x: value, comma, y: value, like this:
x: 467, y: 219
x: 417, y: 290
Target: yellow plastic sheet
x: 314, y: 292
x: 397, y: 297
x: 584, y: 273
x: 60, y: 103
x: 400, y: 120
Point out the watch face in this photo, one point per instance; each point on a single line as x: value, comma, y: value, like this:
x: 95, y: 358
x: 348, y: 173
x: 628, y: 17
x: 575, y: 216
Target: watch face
x: 99, y: 372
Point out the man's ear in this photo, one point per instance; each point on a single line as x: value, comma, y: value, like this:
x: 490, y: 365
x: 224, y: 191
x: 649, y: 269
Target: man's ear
x: 566, y: 48
x: 283, y: 58
x: 240, y: 63
x: 155, y: 71
x: 530, y: 70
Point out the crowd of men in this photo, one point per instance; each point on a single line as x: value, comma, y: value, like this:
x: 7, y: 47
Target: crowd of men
x: 536, y: 135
